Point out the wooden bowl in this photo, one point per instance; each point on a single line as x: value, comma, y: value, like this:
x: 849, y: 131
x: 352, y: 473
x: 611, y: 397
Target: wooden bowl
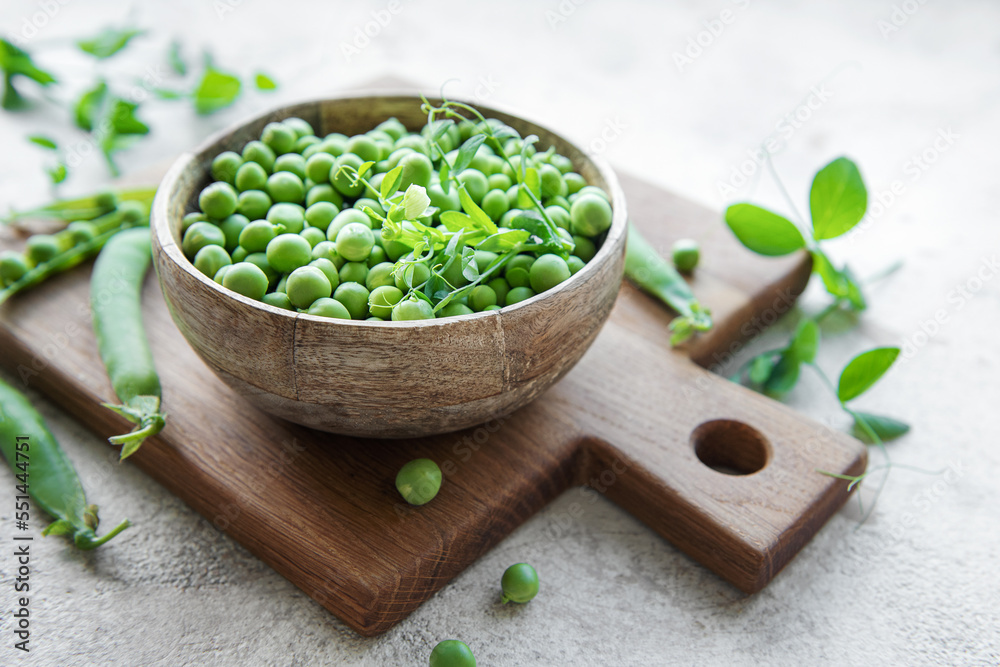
x: 381, y: 379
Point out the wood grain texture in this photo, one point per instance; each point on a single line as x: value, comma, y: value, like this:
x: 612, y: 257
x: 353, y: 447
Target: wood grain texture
x: 628, y: 422
x: 382, y: 379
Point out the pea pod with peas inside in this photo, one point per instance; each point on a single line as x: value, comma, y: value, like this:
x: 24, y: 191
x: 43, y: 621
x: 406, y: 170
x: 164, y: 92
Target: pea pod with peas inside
x: 48, y: 474
x: 115, y: 300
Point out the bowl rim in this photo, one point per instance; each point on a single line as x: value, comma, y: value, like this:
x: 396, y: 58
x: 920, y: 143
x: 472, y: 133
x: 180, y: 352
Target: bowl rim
x: 159, y: 217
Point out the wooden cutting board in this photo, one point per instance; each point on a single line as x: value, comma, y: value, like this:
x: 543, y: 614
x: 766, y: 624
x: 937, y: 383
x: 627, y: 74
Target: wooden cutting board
x: 323, y: 511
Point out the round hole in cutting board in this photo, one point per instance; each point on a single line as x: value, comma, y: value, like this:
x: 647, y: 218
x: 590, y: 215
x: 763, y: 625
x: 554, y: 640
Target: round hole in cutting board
x: 730, y: 447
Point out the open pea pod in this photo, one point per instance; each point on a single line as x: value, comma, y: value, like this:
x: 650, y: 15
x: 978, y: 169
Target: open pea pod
x: 43, y: 470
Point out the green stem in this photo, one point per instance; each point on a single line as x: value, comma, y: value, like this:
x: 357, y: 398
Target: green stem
x: 83, y: 539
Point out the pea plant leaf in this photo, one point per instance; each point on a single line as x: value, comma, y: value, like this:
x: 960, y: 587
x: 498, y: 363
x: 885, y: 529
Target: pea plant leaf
x: 783, y: 376
x: 838, y: 199
x: 43, y: 141
x: 863, y: 371
x: 58, y: 173
x: 108, y: 41
x: 176, y: 59
x: 390, y: 182
x: 444, y: 174
x: 468, y: 151
x: 477, y: 214
x: 761, y: 367
x: 88, y: 107
x: 16, y: 62
x: 469, y: 267
x: 503, y: 241
x: 216, y: 90
x: 762, y: 231
x: 264, y: 82
x: 886, y: 428
x: 455, y: 221
x: 805, y: 341
x: 118, y: 128
x: 415, y: 201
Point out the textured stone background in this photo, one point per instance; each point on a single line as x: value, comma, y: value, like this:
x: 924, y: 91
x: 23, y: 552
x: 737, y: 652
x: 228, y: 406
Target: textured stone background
x: 917, y: 584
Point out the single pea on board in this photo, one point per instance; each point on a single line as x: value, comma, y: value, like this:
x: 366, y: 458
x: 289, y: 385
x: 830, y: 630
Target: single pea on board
x: 519, y: 584
x: 452, y: 653
x: 419, y: 481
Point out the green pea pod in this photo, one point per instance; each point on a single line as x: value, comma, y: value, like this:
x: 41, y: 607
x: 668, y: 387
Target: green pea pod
x: 51, y: 480
x: 115, y: 301
x: 656, y: 276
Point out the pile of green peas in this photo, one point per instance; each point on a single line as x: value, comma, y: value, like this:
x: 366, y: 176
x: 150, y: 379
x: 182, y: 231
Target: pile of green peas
x: 283, y: 222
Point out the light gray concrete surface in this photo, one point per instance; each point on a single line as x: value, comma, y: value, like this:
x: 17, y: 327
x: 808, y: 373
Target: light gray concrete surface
x: 915, y: 585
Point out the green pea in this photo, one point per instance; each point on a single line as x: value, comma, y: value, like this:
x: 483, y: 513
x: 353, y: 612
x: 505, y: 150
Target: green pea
x: 452, y: 653
x: 370, y: 203
x: 246, y: 279
x: 354, y: 272
x: 302, y: 144
x: 254, y: 204
x: 593, y: 190
x: 393, y: 127
x: 380, y: 275
x: 455, y: 275
x: 547, y: 272
x: 445, y: 201
x: 455, y: 309
x: 346, y: 217
x: 342, y: 179
x: 319, y: 165
x: 328, y: 250
x: 558, y: 202
x: 279, y: 137
x: 250, y: 176
x: 225, y: 165
x: 686, y: 253
x: 412, y: 275
x: 292, y: 163
x: 495, y: 204
x: 287, y: 252
x: 417, y: 170
x: 584, y: 248
x: 199, y: 235
x: 575, y: 264
x: 500, y: 182
x: 412, y: 308
x: 218, y: 200
x: 306, y: 284
x: 519, y: 294
x: 559, y: 216
x: 282, y: 284
x: 519, y: 584
x: 364, y: 147
x: 354, y: 242
x: 278, y: 300
x: 300, y: 127
x: 574, y: 182
x: 414, y: 142
x: 475, y: 184
x: 509, y: 219
x: 290, y: 216
x: 329, y: 308
x: 313, y: 235
x: 334, y: 144
x: 517, y: 270
x: 329, y: 270
x: 210, y: 259
x: 13, y: 266
x: 41, y: 248
x: 261, y: 153
x: 232, y: 227
x: 191, y: 218
x: 240, y: 254
x: 284, y: 186
x: 259, y: 259
x: 500, y: 287
x: 382, y: 299
x: 324, y: 192
x: 221, y: 273
x: 590, y: 215
x: 552, y: 182
x: 256, y: 235
x: 482, y: 296
x: 491, y: 308
x: 377, y: 255
x: 419, y: 480
x: 354, y: 296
